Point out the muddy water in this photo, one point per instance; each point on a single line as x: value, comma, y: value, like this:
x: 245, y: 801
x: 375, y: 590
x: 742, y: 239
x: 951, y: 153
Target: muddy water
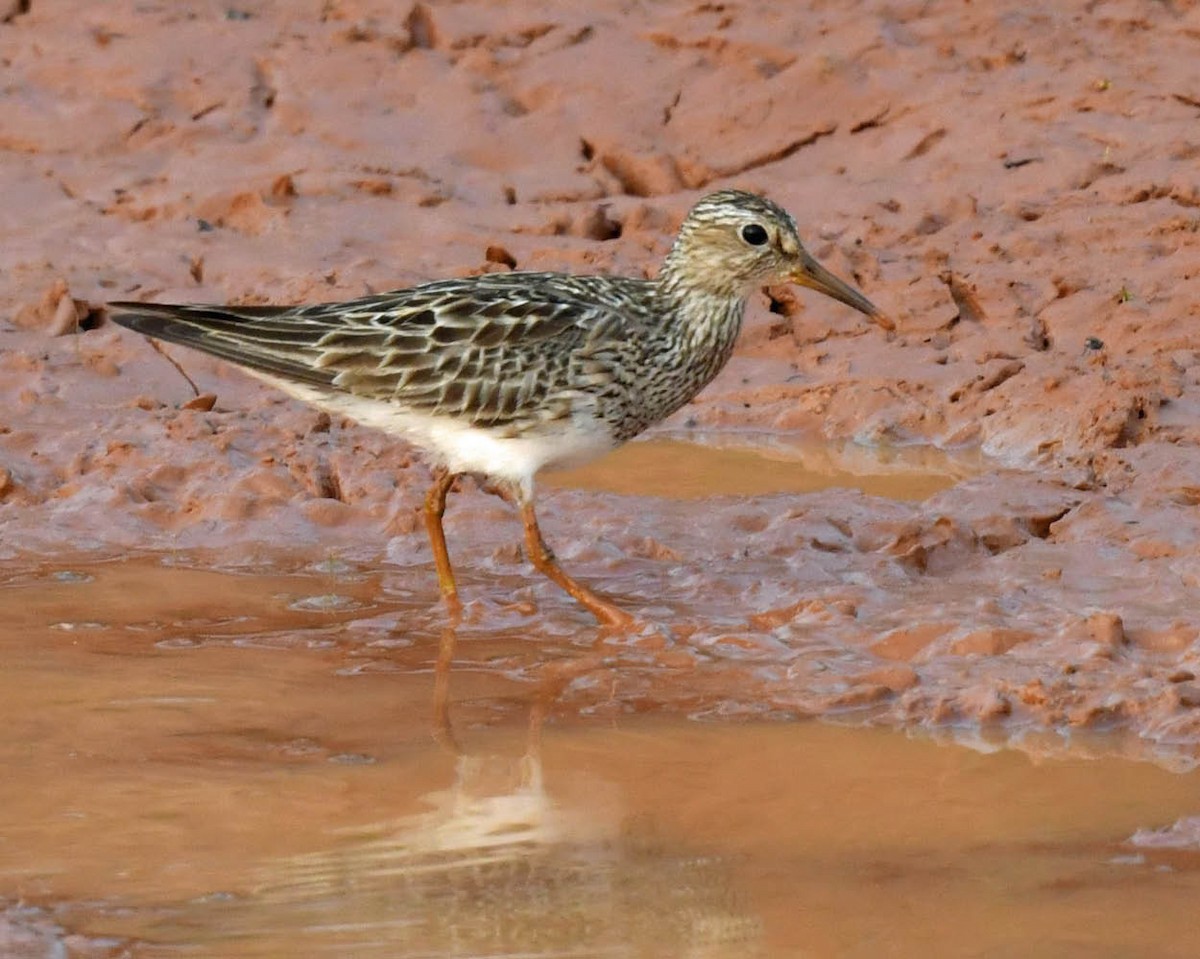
x: 267, y: 763
x: 749, y: 465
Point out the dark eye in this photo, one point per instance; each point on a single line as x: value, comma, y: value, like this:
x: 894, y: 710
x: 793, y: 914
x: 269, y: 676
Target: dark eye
x: 754, y: 234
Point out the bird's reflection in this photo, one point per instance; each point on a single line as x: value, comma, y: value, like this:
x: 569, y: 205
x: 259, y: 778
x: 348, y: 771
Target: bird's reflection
x: 497, y: 865
x: 497, y: 805
x: 495, y: 812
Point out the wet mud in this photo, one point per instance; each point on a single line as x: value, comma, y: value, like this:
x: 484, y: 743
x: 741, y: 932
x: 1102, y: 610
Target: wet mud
x: 983, y: 526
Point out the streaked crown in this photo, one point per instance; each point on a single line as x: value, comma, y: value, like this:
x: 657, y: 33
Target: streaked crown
x: 732, y: 242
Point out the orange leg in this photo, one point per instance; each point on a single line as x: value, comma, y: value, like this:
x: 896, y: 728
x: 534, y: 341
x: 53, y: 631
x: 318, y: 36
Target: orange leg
x: 543, y: 560
x: 435, y: 509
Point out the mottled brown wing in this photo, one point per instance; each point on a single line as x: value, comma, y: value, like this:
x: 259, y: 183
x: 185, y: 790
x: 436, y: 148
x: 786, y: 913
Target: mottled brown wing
x: 491, y: 350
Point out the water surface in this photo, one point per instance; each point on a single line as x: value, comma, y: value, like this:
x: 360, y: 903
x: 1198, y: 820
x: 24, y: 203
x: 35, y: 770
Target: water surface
x: 195, y: 767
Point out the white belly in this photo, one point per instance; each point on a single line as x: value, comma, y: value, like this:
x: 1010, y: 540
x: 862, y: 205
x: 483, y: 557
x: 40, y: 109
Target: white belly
x: 463, y: 448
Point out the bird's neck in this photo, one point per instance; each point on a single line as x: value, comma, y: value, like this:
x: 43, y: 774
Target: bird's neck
x: 703, y: 324
x: 705, y: 313
x: 691, y: 269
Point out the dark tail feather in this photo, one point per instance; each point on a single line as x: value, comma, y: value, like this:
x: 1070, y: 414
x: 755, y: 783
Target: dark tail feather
x: 256, y: 337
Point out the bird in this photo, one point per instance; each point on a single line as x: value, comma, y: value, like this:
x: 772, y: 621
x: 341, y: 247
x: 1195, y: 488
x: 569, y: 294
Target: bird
x: 503, y: 375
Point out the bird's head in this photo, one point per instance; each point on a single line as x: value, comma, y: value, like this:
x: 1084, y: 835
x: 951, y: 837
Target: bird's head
x: 733, y: 242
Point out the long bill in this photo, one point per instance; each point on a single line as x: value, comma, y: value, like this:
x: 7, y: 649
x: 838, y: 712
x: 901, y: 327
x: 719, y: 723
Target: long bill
x: 810, y: 273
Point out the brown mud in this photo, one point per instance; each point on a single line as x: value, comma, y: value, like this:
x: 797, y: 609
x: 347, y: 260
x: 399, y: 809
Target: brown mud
x: 983, y: 526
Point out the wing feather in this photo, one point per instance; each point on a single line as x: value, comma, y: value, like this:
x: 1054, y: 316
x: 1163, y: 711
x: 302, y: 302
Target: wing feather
x: 490, y: 348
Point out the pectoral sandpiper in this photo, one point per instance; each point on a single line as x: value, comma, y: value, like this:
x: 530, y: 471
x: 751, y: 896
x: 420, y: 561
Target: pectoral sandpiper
x: 506, y: 374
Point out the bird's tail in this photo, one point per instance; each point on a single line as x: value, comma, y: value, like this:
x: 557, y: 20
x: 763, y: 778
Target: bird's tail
x: 276, y: 340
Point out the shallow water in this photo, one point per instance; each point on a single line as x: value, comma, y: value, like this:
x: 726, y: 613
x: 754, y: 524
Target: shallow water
x: 694, y: 466
x: 197, y: 763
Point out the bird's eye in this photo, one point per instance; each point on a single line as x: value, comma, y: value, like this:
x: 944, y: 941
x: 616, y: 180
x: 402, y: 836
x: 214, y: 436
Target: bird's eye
x: 754, y: 234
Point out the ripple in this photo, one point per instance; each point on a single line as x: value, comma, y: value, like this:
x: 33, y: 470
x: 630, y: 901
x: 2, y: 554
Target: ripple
x: 325, y: 603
